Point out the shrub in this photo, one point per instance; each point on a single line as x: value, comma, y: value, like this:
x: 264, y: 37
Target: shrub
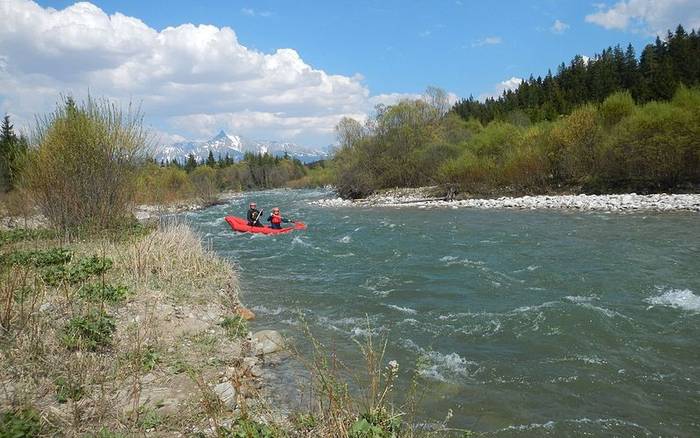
x: 20, y: 423
x: 616, y: 107
x: 204, y: 181
x: 89, y: 332
x: 98, y: 292
x: 53, y: 256
x: 81, y: 271
x: 82, y: 172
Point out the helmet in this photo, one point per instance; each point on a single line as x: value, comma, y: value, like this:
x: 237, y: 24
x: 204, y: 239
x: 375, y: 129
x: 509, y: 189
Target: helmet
x: 252, y: 204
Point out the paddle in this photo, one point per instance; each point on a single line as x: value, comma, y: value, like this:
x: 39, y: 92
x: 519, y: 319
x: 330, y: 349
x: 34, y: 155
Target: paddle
x: 257, y: 218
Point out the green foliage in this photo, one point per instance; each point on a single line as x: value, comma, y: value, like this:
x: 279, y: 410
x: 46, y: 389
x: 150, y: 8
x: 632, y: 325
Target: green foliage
x: 247, y: 428
x: 13, y: 150
x: 76, y: 273
x: 82, y: 171
x: 88, y: 332
x: 21, y: 234
x: 98, y: 292
x: 149, y: 418
x: 39, y: 258
x: 662, y: 67
x: 20, y: 423
x: 613, y: 146
x: 236, y: 326
x: 377, y: 424
x: 67, y: 389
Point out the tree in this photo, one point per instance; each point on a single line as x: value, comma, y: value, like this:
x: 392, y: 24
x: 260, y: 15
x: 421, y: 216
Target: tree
x: 83, y: 171
x: 12, y: 153
x: 211, y: 162
x: 191, y: 163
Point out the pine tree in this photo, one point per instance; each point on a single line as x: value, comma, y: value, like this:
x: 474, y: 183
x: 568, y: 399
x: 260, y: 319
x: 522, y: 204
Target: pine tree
x: 191, y: 163
x: 11, y: 149
x: 211, y: 162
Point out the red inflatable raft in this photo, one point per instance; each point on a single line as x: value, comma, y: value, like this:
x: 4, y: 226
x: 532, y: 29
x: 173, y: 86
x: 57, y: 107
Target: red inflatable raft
x: 241, y: 225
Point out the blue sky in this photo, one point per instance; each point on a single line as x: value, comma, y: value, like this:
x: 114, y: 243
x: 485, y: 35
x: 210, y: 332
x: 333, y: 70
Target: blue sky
x: 366, y: 52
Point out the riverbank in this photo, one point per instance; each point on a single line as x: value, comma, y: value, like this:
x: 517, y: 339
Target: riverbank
x: 145, y: 334
x: 424, y: 198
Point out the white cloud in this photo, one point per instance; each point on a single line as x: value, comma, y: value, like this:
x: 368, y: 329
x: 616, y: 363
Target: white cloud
x: 559, y: 27
x: 488, y: 41
x: 651, y: 16
x: 190, y: 80
x: 508, y: 84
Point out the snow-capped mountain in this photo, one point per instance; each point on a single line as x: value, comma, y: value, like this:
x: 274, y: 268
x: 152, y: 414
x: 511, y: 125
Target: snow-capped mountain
x: 235, y: 147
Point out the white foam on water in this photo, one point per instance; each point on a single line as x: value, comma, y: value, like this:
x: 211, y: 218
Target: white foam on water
x: 579, y: 299
x: 299, y: 241
x: 448, y: 259
x: 683, y: 299
x: 349, y: 254
x: 545, y: 305
x: 444, y: 366
x: 345, y: 239
x: 402, y: 309
x: 266, y: 311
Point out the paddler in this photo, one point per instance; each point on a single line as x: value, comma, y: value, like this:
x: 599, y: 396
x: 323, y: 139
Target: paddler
x: 276, y: 219
x: 254, y: 215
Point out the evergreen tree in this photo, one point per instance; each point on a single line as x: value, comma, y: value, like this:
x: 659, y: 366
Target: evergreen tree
x: 191, y: 163
x: 211, y: 162
x: 12, y: 150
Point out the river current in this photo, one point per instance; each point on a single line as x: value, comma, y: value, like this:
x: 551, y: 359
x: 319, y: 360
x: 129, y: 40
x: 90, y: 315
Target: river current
x: 522, y: 323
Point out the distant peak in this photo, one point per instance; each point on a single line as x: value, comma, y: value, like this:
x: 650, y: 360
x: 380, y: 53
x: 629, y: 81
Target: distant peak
x: 221, y: 134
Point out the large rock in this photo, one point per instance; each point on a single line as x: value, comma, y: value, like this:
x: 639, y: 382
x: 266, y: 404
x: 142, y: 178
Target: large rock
x: 227, y: 394
x: 268, y: 341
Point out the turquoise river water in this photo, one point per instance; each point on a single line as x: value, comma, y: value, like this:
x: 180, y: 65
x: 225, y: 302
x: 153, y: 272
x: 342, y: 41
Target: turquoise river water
x: 523, y: 323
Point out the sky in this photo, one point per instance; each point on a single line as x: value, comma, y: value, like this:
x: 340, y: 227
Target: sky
x: 290, y: 70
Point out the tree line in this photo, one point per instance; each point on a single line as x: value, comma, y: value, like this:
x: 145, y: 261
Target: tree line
x: 609, y: 125
x: 655, y: 75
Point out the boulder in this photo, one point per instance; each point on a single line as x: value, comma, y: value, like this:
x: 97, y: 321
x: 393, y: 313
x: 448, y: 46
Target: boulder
x: 268, y: 341
x: 245, y: 313
x: 227, y: 394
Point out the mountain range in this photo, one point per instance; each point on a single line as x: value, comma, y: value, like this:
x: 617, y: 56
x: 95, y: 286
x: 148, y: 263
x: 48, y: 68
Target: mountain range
x: 235, y: 147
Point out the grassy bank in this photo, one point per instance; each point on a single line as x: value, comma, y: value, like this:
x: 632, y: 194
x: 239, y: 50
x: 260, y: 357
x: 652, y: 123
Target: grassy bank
x: 113, y: 336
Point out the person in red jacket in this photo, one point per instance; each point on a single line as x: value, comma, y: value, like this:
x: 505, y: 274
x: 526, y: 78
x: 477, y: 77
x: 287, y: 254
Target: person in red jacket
x: 276, y: 220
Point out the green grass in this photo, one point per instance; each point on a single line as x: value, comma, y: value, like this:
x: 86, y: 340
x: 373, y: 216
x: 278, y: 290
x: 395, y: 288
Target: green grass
x: 236, y: 326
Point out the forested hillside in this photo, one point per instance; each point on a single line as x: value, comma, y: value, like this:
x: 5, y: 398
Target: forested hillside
x: 655, y: 75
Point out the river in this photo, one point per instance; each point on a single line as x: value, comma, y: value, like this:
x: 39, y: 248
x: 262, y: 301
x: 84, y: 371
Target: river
x: 522, y: 323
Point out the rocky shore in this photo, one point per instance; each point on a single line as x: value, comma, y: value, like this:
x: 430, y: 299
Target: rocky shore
x: 419, y: 198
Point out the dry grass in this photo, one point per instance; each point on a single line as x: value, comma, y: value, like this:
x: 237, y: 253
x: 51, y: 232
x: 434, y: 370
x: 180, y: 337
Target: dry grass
x: 169, y: 274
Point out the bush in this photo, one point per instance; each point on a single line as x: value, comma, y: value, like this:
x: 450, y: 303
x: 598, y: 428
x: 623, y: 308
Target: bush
x: 616, y: 107
x: 53, y: 256
x: 89, y: 332
x: 20, y: 423
x: 204, y: 181
x: 98, y: 292
x: 83, y: 170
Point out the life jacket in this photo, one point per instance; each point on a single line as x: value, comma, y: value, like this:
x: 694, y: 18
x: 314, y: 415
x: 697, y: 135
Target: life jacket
x: 276, y: 219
